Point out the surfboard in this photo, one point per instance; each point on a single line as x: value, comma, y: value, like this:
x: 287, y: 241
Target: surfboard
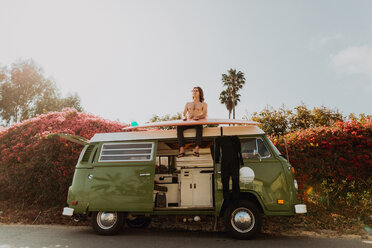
x: 191, y: 123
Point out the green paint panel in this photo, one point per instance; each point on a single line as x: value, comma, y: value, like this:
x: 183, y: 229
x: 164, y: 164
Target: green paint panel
x: 79, y: 191
x: 122, y: 188
x: 269, y: 183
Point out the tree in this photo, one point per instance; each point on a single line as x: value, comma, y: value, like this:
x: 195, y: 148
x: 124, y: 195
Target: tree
x: 302, y: 119
x: 157, y: 118
x: 325, y: 117
x: 362, y: 117
x: 26, y: 92
x: 168, y: 117
x: 233, y: 81
x: 282, y: 121
x: 317, y: 117
x: 225, y: 98
x: 273, y: 121
x: 50, y: 103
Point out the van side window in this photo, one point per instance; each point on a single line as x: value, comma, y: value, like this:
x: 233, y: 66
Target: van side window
x: 94, y: 155
x: 254, y: 148
x: 121, y: 152
x: 87, y: 153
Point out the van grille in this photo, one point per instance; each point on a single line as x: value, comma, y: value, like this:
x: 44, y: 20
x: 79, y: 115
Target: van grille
x: 87, y: 153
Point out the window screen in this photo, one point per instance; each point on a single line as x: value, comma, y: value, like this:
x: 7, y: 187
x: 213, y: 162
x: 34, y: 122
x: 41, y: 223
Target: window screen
x: 252, y: 146
x: 117, y: 152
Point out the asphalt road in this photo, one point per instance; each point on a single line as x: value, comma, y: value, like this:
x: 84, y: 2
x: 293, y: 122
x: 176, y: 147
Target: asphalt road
x: 25, y: 236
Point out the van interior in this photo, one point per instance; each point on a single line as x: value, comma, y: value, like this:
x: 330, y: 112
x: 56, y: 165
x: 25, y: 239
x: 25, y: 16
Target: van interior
x: 185, y: 182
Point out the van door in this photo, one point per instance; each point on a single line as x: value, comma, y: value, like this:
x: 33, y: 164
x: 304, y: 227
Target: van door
x: 123, y: 177
x: 269, y: 179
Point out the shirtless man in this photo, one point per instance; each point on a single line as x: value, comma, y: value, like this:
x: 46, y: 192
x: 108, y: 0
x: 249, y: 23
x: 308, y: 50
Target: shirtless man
x: 195, y: 110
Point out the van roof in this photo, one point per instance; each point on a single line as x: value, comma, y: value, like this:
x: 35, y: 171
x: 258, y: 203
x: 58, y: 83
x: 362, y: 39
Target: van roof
x: 172, y: 134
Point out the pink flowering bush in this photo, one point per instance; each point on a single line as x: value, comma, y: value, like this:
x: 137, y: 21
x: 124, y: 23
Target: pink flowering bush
x: 36, y: 167
x: 334, y: 161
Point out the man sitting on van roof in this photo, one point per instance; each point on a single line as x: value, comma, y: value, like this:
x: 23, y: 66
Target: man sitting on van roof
x: 195, y: 110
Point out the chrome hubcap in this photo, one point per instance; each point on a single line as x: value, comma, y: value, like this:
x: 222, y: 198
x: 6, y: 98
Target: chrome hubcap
x: 242, y: 220
x: 106, y: 220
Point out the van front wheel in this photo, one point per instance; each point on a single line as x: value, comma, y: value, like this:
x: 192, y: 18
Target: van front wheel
x: 107, y: 223
x: 243, y: 220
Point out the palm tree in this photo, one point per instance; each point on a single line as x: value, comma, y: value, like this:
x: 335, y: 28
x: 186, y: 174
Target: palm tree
x: 225, y: 98
x: 233, y: 81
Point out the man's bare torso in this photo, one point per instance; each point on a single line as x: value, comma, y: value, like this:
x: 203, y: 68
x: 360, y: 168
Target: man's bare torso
x: 196, y: 109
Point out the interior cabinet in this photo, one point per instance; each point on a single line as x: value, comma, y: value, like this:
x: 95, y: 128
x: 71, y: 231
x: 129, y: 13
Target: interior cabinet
x: 196, y: 187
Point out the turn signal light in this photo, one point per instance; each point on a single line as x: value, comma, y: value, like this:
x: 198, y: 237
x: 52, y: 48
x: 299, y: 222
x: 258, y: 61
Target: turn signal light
x: 293, y: 170
x: 280, y: 202
x: 74, y: 202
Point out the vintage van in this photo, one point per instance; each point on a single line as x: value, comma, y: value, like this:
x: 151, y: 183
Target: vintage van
x: 131, y: 176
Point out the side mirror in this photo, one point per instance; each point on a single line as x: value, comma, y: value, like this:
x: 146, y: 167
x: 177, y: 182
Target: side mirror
x: 256, y: 154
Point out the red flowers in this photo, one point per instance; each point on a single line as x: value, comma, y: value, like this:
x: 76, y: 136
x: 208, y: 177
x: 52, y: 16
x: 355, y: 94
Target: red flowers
x: 37, y: 167
x: 343, y: 151
x: 342, y: 160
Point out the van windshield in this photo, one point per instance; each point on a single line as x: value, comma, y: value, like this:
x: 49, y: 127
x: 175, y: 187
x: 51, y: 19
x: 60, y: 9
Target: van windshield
x: 277, y: 152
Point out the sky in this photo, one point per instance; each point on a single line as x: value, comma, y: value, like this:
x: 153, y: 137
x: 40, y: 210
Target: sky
x: 130, y: 60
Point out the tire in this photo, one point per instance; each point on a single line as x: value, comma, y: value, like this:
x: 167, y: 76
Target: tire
x: 107, y: 223
x: 243, y: 220
x: 139, y: 222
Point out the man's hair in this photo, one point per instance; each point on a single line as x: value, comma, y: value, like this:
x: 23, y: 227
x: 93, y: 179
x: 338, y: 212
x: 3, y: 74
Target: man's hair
x: 201, y: 94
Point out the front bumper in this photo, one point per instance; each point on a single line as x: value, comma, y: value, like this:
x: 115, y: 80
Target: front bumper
x: 300, y: 209
x: 68, y: 211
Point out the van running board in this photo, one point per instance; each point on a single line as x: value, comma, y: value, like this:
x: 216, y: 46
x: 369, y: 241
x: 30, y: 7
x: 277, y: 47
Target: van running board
x: 184, y: 208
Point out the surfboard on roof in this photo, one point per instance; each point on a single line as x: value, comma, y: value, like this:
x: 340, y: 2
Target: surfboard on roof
x: 192, y: 123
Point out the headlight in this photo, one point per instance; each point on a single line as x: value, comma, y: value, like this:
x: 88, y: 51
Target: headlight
x: 295, y: 184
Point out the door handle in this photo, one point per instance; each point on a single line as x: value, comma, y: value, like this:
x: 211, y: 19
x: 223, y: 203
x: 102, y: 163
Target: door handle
x: 219, y: 172
x: 145, y: 174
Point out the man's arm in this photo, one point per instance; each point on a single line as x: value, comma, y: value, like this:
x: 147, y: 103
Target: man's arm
x: 185, y: 113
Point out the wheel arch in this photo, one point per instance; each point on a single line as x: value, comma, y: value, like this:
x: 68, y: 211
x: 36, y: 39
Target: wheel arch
x: 248, y: 196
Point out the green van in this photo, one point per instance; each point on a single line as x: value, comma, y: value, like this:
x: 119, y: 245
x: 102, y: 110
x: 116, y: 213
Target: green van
x: 131, y: 176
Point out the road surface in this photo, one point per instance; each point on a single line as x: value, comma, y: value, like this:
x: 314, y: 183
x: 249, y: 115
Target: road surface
x: 27, y: 236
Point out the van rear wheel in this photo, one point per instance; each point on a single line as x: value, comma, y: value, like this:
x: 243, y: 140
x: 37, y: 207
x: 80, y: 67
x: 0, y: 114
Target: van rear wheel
x: 107, y: 223
x: 243, y: 220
